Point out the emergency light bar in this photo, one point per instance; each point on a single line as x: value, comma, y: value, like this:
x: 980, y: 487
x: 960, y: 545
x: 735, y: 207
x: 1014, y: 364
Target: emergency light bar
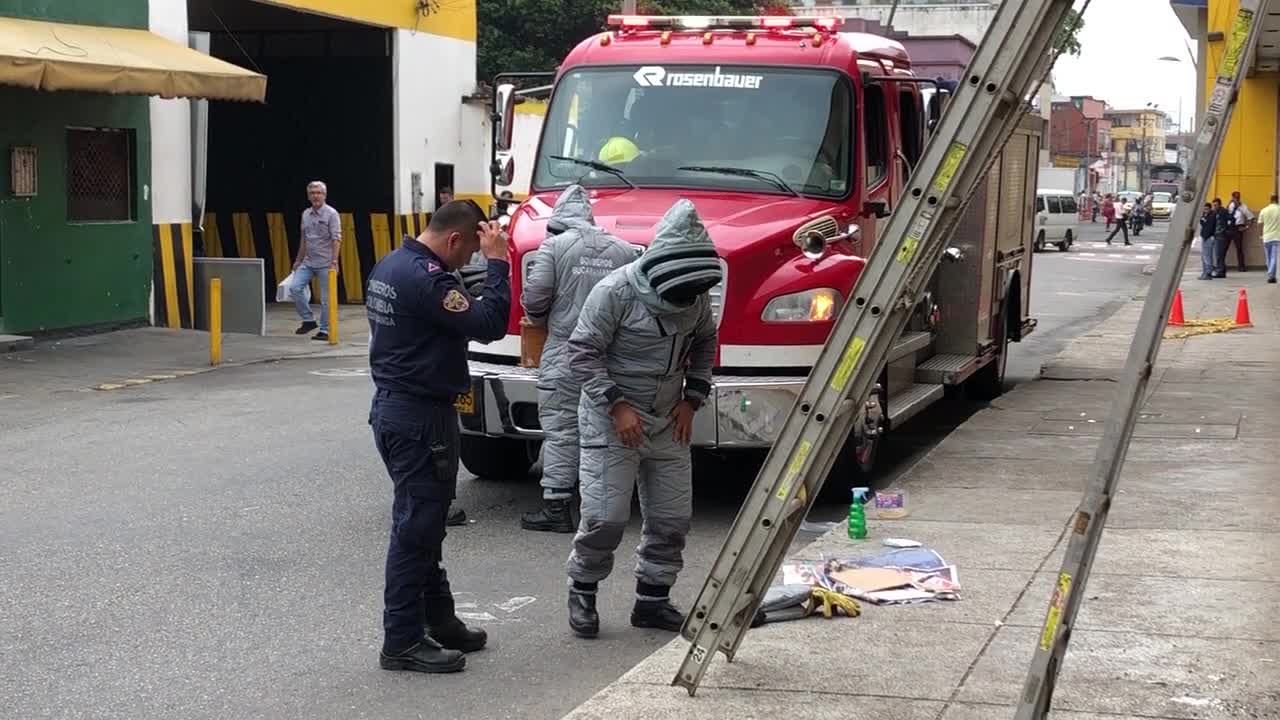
x: 732, y: 22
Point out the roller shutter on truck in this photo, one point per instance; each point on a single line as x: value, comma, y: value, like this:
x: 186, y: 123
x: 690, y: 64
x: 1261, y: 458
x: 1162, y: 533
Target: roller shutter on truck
x: 1013, y: 177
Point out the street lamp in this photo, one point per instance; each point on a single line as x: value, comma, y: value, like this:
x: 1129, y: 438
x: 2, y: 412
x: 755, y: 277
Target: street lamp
x: 1170, y: 58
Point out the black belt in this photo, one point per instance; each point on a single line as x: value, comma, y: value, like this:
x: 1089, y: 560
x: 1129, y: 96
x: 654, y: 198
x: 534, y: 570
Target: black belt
x: 412, y: 397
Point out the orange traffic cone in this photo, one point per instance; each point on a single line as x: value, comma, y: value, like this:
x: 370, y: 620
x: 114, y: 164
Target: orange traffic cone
x: 1242, y: 310
x: 1175, y: 314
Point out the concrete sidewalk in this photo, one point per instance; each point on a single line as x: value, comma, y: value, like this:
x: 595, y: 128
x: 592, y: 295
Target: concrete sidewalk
x: 1178, y: 620
x: 120, y: 359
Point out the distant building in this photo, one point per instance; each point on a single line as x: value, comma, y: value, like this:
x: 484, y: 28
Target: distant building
x: 1137, y: 141
x: 1177, y: 149
x: 1080, y: 134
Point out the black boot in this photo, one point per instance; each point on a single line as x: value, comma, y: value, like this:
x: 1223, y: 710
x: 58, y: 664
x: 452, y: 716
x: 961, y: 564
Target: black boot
x: 584, y: 621
x: 653, y: 609
x: 425, y: 657
x: 554, y: 516
x: 659, y: 614
x: 456, y: 517
x: 457, y: 636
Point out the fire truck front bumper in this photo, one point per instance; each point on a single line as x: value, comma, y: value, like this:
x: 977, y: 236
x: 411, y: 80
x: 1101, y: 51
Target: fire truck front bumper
x: 742, y: 411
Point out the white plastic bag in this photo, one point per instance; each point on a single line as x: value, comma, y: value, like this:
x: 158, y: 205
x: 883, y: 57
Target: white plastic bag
x: 282, y: 290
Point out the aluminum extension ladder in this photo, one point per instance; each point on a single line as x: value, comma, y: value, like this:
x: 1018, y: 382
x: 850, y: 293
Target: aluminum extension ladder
x: 1010, y: 63
x: 1015, y: 54
x: 1104, y: 475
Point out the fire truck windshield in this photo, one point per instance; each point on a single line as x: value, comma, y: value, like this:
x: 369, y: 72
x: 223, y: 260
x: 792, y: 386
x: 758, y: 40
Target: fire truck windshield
x: 696, y: 126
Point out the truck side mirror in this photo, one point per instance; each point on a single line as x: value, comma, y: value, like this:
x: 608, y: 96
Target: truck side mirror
x: 504, y: 116
x: 878, y: 208
x: 937, y: 103
x: 503, y: 168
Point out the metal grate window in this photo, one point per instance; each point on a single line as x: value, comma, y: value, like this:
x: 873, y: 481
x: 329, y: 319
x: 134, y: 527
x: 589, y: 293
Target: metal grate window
x: 99, y: 175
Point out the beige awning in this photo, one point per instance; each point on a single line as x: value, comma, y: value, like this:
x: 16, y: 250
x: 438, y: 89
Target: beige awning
x: 120, y: 61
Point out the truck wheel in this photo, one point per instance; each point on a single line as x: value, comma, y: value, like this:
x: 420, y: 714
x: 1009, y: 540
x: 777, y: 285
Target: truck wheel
x: 498, y: 458
x: 1039, y: 246
x: 1066, y: 242
x: 988, y: 383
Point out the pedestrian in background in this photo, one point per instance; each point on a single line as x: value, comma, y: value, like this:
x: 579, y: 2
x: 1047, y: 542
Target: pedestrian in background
x: 444, y: 196
x: 575, y: 255
x: 1208, y: 241
x: 1222, y: 228
x: 642, y: 351
x: 420, y: 321
x: 1095, y: 201
x: 1108, y: 211
x: 1241, y: 220
x: 321, y: 239
x: 1270, y: 219
x: 1122, y: 222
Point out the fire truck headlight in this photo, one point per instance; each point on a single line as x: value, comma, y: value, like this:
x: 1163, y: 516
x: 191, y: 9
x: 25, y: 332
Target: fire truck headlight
x: 818, y: 305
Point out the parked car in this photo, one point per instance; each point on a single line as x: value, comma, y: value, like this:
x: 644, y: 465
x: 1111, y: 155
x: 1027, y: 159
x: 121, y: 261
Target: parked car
x: 1057, y: 219
x: 1161, y: 205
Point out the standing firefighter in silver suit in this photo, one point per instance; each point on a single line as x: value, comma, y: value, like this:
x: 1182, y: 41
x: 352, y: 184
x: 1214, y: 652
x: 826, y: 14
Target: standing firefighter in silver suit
x: 643, y: 351
x: 575, y: 255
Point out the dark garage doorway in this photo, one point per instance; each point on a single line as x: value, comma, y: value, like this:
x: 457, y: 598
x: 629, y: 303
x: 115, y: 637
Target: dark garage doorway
x: 328, y: 116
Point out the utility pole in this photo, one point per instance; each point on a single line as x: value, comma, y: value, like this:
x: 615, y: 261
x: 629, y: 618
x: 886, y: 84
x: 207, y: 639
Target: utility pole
x: 1142, y: 155
x: 893, y: 10
x: 628, y: 7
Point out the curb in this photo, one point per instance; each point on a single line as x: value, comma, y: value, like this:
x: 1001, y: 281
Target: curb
x: 15, y: 343
x: 164, y: 376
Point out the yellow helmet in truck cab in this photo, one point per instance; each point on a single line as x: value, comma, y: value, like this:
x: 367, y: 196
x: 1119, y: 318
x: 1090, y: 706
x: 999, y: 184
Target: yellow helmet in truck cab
x: 617, y: 150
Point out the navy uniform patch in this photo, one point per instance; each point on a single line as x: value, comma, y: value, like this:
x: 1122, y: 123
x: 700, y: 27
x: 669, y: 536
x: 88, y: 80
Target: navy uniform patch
x: 455, y: 301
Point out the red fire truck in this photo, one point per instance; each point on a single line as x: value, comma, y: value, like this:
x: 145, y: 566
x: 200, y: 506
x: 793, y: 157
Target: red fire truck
x: 794, y: 141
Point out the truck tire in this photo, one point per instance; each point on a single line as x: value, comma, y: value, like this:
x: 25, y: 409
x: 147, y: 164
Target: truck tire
x: 498, y: 458
x: 988, y: 383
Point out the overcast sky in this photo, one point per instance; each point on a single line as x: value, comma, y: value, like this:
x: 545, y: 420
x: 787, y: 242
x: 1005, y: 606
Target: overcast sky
x: 1120, y: 44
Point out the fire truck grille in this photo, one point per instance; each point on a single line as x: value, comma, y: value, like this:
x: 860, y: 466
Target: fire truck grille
x: 827, y: 226
x: 719, y: 292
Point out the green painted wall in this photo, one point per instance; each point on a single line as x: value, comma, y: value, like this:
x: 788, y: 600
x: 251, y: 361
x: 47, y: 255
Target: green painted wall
x: 117, y: 13
x: 54, y: 274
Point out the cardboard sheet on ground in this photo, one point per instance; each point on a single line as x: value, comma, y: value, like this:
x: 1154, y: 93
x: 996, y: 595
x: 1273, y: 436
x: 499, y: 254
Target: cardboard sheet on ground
x: 906, y: 575
x: 869, y: 580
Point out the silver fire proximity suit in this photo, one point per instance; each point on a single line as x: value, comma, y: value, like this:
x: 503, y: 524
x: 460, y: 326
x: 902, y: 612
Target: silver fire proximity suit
x: 575, y: 255
x: 635, y: 346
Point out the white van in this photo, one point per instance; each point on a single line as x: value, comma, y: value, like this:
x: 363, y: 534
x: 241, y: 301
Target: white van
x: 1057, y: 219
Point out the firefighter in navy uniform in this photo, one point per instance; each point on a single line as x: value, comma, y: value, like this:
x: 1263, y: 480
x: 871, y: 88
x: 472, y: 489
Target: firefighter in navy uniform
x: 420, y: 320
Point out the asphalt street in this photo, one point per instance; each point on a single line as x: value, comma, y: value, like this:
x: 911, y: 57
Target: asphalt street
x: 212, y: 547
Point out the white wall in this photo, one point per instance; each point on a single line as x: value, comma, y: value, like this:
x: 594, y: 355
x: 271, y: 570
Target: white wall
x: 170, y: 128
x: 432, y: 75
x: 524, y: 148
